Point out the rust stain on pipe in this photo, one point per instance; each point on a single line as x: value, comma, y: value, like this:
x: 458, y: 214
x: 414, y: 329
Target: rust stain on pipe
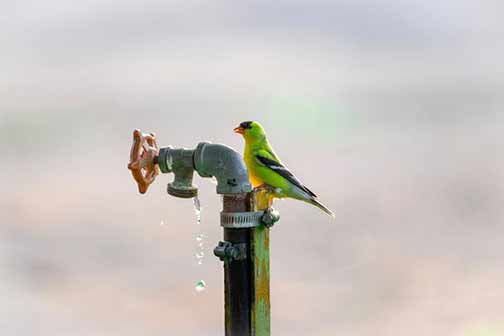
x: 261, y: 263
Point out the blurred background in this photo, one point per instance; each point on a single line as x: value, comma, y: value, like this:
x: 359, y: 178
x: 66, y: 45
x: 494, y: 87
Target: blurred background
x: 391, y: 111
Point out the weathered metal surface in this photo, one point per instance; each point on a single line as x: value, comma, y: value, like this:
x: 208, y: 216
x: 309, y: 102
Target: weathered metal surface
x: 260, y: 255
x: 237, y: 202
x: 237, y: 273
x: 261, y: 295
x: 247, y: 282
x: 238, y: 287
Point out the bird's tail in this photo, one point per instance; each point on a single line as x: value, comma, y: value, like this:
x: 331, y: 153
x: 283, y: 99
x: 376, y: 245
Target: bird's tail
x: 322, y: 207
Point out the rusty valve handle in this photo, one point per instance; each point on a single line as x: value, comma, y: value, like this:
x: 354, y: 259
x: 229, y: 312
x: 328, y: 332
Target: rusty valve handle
x: 142, y: 164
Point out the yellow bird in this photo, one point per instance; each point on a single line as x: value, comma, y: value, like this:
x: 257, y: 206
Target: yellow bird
x: 266, y: 170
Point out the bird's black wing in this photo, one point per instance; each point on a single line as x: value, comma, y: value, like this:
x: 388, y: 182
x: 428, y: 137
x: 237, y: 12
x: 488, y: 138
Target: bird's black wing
x: 284, y: 172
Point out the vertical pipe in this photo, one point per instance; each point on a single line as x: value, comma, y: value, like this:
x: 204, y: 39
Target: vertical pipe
x: 260, y: 257
x: 238, y: 273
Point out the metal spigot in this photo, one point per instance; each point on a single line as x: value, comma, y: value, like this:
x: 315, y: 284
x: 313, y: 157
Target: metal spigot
x: 178, y: 161
x: 209, y: 160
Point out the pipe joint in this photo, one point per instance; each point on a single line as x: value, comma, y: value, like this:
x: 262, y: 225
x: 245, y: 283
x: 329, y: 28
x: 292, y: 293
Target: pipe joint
x: 225, y: 164
x: 227, y: 251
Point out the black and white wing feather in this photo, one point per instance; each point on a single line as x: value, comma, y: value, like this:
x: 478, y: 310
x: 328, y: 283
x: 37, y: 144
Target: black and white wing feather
x: 280, y: 169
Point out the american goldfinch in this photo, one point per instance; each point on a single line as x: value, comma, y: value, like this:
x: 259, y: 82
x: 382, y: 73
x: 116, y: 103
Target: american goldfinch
x: 266, y: 170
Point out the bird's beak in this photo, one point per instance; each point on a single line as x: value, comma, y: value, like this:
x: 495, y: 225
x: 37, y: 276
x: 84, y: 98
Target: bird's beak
x: 239, y: 130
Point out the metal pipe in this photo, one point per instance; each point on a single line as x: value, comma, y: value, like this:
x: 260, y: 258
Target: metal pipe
x: 209, y: 160
x: 245, y: 253
x: 237, y: 273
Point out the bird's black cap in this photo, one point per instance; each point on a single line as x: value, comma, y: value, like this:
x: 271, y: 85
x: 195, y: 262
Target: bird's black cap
x: 246, y: 124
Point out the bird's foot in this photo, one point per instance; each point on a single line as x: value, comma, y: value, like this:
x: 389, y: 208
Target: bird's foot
x: 263, y: 196
x: 264, y: 188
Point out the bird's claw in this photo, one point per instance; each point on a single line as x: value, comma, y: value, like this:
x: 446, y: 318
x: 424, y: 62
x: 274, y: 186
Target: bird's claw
x: 265, y: 188
x: 264, y: 195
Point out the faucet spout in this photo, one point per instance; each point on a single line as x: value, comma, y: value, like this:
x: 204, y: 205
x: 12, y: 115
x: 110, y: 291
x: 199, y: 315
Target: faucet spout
x: 178, y: 161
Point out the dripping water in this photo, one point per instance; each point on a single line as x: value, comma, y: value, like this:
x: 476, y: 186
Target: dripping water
x: 200, y: 238
x: 197, y: 209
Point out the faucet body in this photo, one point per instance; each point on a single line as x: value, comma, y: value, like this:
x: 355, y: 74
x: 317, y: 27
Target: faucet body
x: 209, y: 160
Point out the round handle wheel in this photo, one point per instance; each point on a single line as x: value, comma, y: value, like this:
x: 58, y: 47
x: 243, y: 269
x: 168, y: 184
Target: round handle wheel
x: 143, y: 152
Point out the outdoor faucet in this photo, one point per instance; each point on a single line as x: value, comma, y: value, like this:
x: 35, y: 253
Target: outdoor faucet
x: 209, y: 160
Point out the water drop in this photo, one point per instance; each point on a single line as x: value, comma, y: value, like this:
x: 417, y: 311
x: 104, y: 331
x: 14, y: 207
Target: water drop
x: 200, y: 254
x: 197, y: 204
x: 200, y: 286
x: 197, y: 209
x: 162, y: 223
